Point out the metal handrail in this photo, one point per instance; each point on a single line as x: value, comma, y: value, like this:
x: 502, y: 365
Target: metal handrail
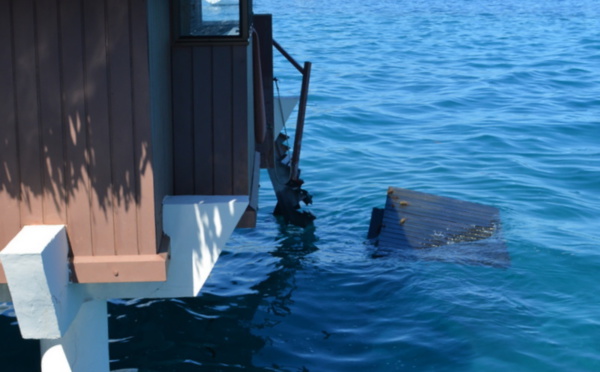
x: 288, y: 56
x: 305, y: 71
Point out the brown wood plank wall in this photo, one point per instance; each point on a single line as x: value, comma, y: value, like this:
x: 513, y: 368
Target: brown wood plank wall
x: 27, y: 114
x: 77, y: 178
x: 142, y: 131
x: 159, y: 56
x: 203, y: 135
x: 121, y: 112
x: 50, y: 117
x: 10, y: 213
x: 75, y: 124
x: 183, y: 121
x: 242, y: 156
x: 222, y: 90
x: 98, y: 124
x: 212, y: 126
x: 263, y: 24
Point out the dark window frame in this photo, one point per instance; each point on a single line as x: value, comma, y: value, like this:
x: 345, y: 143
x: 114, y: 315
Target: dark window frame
x: 245, y: 23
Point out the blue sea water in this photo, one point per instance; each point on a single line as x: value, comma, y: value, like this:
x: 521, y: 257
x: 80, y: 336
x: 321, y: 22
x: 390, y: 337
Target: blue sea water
x: 495, y: 102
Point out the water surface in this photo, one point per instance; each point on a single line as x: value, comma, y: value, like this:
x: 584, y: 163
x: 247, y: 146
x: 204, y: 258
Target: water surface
x: 495, y: 102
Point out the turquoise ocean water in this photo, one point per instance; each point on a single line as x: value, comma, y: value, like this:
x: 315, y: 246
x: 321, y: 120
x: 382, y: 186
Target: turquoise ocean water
x: 495, y: 102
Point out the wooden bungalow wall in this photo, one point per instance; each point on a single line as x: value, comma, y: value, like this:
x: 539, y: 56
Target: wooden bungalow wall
x: 75, y: 133
x: 212, y: 119
x: 263, y: 24
x: 159, y: 36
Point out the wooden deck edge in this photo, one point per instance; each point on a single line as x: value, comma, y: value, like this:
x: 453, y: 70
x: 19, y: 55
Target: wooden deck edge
x: 115, y: 269
x: 123, y: 268
x: 118, y: 269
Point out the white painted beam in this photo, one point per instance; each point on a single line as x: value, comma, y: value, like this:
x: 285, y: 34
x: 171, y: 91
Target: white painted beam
x: 37, y: 271
x: 84, y: 348
x: 283, y: 107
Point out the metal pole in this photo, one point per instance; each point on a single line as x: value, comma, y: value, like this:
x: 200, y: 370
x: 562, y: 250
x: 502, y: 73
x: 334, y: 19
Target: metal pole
x: 288, y: 56
x: 300, y: 122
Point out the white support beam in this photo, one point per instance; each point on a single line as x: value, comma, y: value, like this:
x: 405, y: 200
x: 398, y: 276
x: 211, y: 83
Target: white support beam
x: 283, y: 107
x: 37, y: 271
x: 84, y: 348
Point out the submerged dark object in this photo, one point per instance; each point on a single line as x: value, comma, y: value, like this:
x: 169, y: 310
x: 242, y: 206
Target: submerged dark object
x: 434, y: 227
x: 288, y: 189
x: 285, y: 174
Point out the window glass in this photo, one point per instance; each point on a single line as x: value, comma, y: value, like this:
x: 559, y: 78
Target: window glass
x: 209, y: 18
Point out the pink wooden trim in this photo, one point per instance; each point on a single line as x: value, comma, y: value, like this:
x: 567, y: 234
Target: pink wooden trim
x: 116, y: 269
x: 120, y: 269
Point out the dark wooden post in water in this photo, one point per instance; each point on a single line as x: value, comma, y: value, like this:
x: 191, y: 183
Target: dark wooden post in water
x: 285, y: 176
x: 300, y: 122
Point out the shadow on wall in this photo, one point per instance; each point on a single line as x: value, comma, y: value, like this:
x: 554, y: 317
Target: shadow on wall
x: 74, y: 106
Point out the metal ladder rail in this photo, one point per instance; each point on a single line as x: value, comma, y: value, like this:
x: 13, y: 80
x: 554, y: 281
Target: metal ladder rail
x: 305, y: 71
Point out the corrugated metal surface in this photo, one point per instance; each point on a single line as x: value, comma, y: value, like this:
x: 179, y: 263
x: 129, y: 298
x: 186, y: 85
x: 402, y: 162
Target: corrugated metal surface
x: 443, y: 228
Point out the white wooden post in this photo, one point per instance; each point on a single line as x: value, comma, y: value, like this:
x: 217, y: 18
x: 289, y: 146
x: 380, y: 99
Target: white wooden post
x: 84, y: 348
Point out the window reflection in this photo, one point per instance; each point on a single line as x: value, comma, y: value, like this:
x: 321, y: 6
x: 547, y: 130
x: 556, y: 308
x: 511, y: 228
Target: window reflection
x: 210, y: 17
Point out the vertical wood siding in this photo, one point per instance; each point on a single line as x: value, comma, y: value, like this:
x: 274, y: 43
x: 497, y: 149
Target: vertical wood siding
x: 263, y: 24
x: 211, y: 105
x: 10, y: 212
x: 98, y: 124
x: 142, y: 166
x: 242, y: 146
x: 159, y: 55
x: 183, y: 121
x: 27, y: 111
x: 222, y: 90
x: 77, y: 156
x: 75, y: 123
x: 50, y: 115
x: 203, y: 117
